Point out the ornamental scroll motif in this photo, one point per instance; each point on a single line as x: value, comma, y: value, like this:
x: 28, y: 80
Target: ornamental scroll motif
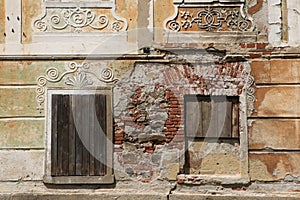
x: 79, y: 19
x: 214, y: 18
x: 250, y: 90
x: 76, y: 75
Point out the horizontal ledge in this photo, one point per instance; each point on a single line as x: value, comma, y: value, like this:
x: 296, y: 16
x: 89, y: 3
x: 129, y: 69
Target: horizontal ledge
x: 22, y: 148
x: 106, y: 179
x: 81, y: 57
x: 22, y: 118
x: 273, y: 117
x: 277, y: 84
x: 283, y: 55
x: 272, y: 151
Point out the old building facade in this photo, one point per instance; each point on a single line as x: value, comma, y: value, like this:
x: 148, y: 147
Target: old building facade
x: 150, y: 99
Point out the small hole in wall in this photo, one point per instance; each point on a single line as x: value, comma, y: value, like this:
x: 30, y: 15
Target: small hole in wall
x: 4, y: 34
x: 7, y: 18
x: 18, y: 18
x: 24, y: 35
x: 218, y: 163
x: 12, y: 30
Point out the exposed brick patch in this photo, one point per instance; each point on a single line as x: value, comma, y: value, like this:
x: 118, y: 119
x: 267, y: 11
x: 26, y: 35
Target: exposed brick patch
x: 152, y: 116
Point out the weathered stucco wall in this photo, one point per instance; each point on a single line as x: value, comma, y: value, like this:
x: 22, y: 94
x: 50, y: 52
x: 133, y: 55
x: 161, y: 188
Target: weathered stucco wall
x: 260, y: 64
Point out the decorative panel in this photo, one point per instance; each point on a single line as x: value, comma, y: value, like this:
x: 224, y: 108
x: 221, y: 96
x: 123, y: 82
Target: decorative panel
x: 71, y: 16
x: 209, y: 16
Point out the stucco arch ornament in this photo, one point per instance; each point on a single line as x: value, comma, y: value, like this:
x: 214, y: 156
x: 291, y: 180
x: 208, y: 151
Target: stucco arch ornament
x: 150, y: 82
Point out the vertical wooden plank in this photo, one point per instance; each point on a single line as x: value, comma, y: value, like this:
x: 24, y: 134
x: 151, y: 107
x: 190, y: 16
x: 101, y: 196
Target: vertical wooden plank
x: 92, y: 114
x: 224, y: 118
x: 54, y: 135
x: 103, y: 144
x: 59, y: 134
x: 100, y: 143
x: 72, y: 135
x: 193, y: 119
x: 65, y: 134
x: 207, y: 127
x: 85, y: 135
x: 235, y: 119
x: 78, y: 126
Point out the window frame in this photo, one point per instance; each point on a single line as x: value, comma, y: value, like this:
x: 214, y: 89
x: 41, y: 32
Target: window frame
x: 106, y: 179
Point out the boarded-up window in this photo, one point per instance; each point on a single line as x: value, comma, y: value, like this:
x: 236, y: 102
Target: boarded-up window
x: 211, y: 116
x: 79, y: 146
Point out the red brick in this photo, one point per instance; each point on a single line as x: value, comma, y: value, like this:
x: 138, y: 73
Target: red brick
x: 172, y: 129
x: 261, y: 45
x: 255, y: 55
x: 169, y: 122
x: 180, y: 181
x: 243, y: 45
x: 251, y: 45
x: 128, y: 118
x: 267, y: 53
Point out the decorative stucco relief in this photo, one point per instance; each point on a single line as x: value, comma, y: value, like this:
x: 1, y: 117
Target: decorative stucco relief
x: 79, y: 20
x: 250, y: 93
x: 210, y: 17
x: 76, y: 75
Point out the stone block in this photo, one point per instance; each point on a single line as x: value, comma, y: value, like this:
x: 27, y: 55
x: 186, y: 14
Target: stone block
x: 30, y: 11
x: 260, y: 70
x: 25, y: 72
x: 274, y: 134
x: 173, y: 171
x: 16, y: 101
x: 277, y: 101
x: 2, y: 21
x: 276, y: 71
x: 21, y: 165
x: 22, y: 133
x: 274, y: 166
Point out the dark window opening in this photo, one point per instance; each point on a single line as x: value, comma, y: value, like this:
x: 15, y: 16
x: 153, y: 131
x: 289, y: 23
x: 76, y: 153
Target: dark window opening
x: 211, y: 116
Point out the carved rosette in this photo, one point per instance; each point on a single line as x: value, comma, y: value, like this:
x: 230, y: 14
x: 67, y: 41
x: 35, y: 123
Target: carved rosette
x: 77, y: 20
x: 210, y: 19
x: 76, y: 75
